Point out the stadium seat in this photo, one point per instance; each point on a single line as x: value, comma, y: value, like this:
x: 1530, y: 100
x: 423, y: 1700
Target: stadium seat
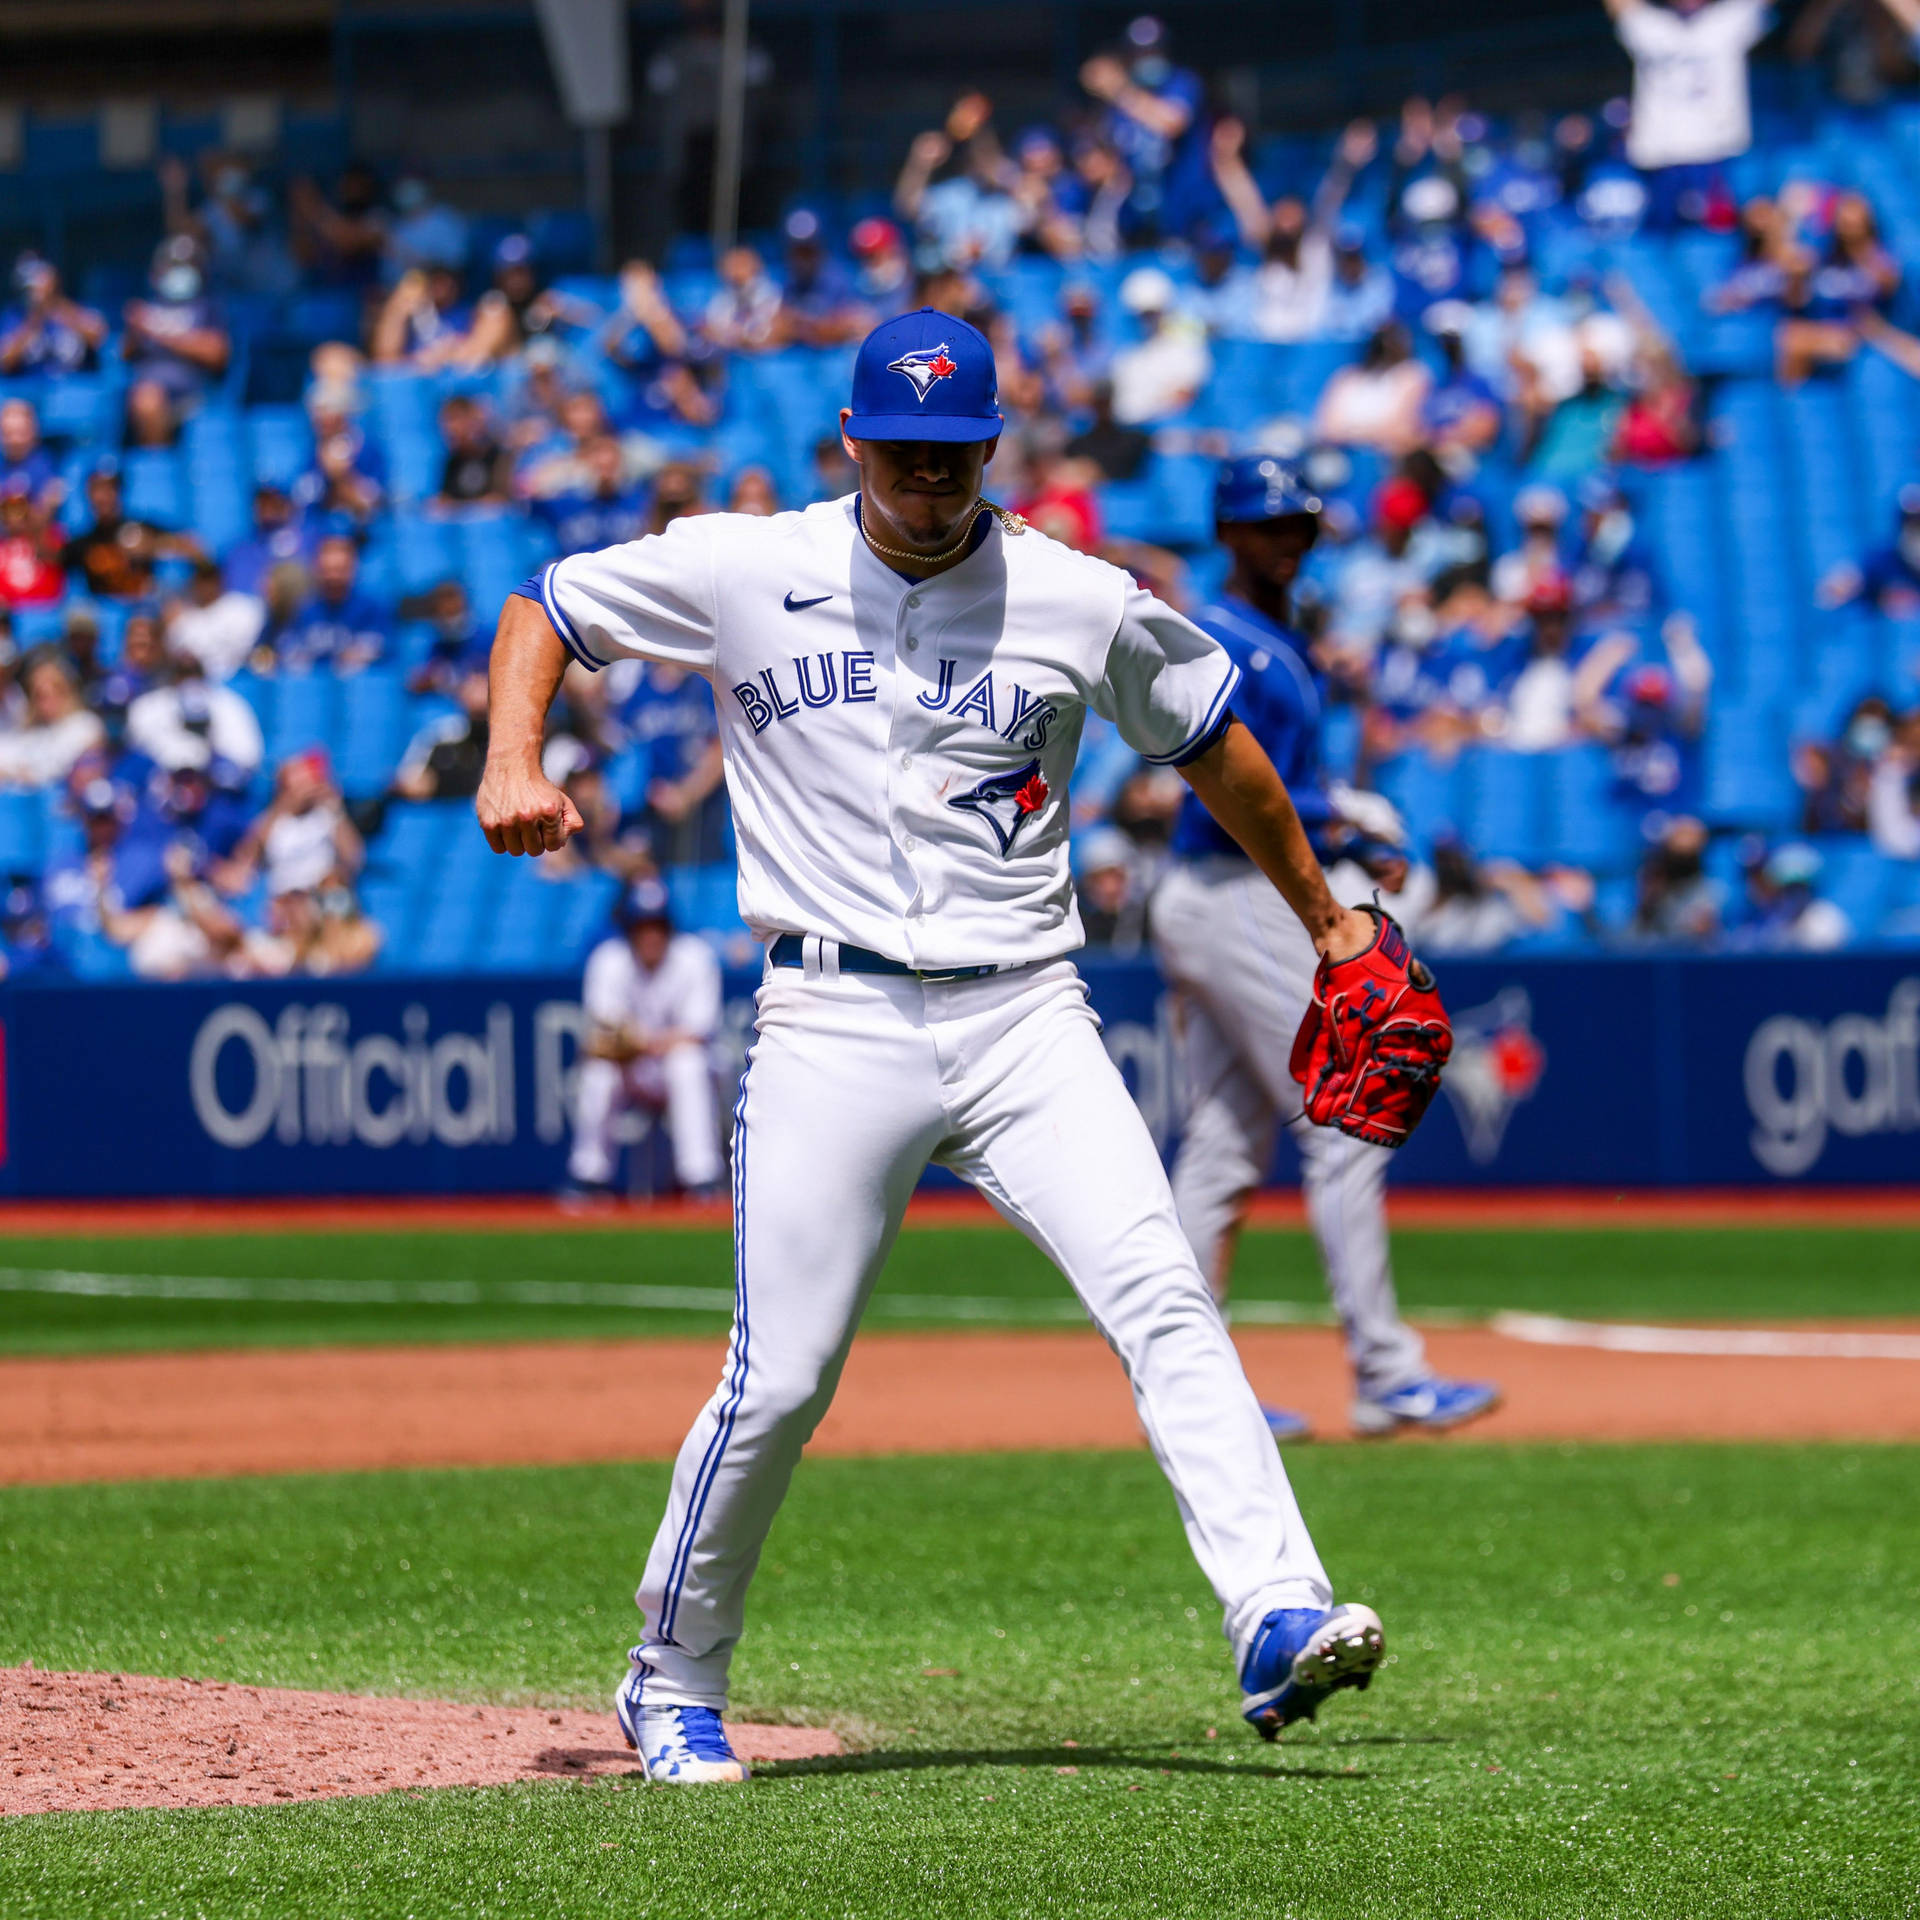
x: 84, y: 408
x: 23, y: 831
x: 372, y: 731
x: 1505, y: 810
x: 154, y: 486
x: 282, y: 444
x: 1586, y: 824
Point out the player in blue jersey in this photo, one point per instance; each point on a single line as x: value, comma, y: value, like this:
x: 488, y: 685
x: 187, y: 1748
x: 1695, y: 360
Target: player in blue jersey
x: 1244, y: 977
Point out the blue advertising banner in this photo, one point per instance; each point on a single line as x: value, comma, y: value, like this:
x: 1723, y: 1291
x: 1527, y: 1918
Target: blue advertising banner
x: 1622, y: 1072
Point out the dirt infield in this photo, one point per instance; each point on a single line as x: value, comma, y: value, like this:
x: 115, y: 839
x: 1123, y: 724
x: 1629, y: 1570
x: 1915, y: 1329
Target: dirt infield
x: 1694, y: 1207
x: 148, y: 1416
x: 77, y: 1742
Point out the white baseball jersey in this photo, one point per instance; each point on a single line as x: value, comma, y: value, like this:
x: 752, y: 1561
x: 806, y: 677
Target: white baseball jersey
x: 898, y: 751
x: 681, y: 994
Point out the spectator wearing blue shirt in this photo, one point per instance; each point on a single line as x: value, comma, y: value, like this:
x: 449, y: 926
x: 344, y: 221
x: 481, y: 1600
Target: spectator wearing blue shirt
x: 818, y: 305
x: 668, y: 715
x: 46, y: 333
x: 1461, y: 416
x: 1155, y: 123
x: 233, y: 223
x: 279, y: 538
x: 423, y: 232
x: 338, y: 627
x: 347, y: 483
x: 964, y: 217
x: 91, y: 891
x: 1887, y: 579
x: 607, y: 512
x: 23, y: 460
x: 1360, y: 295
x: 459, y: 646
x: 26, y: 938
x: 177, y: 341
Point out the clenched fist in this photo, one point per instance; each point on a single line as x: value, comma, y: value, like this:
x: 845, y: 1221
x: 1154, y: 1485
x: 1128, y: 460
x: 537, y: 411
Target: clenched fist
x: 525, y: 812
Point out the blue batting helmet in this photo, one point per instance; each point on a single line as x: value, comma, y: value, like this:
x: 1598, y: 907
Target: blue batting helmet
x: 1260, y: 486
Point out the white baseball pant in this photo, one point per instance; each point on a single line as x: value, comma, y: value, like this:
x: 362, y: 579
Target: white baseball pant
x: 679, y: 1082
x: 854, y: 1083
x: 1243, y: 966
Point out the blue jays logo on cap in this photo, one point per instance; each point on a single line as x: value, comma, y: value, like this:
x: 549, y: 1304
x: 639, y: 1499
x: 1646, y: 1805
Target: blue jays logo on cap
x: 947, y: 364
x: 924, y: 365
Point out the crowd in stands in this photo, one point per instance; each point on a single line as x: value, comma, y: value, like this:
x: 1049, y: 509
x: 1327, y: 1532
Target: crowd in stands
x: 1601, y: 661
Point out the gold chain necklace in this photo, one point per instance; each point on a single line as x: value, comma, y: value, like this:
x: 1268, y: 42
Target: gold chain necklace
x: 1009, y: 523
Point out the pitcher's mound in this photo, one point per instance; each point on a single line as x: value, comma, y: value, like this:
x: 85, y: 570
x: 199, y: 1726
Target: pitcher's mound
x: 71, y: 1742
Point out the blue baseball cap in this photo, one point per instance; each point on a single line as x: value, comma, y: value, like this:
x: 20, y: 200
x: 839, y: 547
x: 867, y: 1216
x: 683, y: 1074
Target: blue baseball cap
x: 925, y: 376
x: 645, y: 900
x: 1259, y: 486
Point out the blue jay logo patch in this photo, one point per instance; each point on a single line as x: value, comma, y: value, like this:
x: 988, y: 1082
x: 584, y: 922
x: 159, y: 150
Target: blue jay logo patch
x: 923, y: 366
x: 1007, y: 801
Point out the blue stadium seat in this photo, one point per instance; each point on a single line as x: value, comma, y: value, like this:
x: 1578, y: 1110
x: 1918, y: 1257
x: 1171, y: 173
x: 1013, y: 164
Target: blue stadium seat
x: 282, y: 444
x: 1586, y: 824
x: 307, y: 714
x: 154, y: 486
x: 1505, y: 803
x: 1859, y: 880
x: 1431, y: 797
x: 373, y: 730
x: 23, y: 832
x: 85, y: 408
x: 1748, y: 782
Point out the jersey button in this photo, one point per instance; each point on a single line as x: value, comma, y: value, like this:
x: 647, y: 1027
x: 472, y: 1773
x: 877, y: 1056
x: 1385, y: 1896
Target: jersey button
x: 908, y: 842
x: 913, y: 642
x: 906, y: 760
x: 913, y: 599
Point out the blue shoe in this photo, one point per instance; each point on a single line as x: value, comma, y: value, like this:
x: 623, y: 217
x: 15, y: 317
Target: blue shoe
x: 1284, y: 1424
x: 1300, y: 1656
x: 678, y: 1746
x: 1432, y: 1404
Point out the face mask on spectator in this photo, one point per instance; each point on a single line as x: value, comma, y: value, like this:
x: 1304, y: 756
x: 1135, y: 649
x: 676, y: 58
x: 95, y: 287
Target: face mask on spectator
x: 180, y: 283
x: 1910, y: 544
x: 1868, y: 737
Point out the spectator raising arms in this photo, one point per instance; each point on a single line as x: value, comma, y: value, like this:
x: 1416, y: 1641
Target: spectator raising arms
x: 1690, y: 109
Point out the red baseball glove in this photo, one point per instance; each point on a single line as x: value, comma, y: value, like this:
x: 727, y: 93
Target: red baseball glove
x: 1370, y: 1049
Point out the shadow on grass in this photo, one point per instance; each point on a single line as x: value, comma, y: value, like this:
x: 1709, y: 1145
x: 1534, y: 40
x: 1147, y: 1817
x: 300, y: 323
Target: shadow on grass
x: 1052, y: 1759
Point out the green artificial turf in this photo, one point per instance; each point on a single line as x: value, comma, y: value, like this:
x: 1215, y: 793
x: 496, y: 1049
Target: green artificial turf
x: 1624, y: 1681
x: 461, y: 1286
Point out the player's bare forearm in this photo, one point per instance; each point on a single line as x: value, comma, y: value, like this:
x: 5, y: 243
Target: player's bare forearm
x: 1237, y: 784
x: 520, y: 809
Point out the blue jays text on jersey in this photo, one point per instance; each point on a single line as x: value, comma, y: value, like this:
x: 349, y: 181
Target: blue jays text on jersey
x: 898, y: 750
x: 815, y: 680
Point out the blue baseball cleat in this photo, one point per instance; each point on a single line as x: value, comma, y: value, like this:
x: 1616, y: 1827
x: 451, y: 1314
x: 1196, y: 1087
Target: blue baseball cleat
x: 1284, y: 1424
x: 678, y: 1746
x: 1299, y: 1656
x: 1431, y: 1404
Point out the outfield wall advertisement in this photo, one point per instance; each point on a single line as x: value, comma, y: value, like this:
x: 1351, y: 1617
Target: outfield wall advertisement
x: 1584, y: 1073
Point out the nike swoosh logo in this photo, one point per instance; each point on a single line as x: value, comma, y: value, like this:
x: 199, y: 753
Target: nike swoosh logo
x: 796, y: 606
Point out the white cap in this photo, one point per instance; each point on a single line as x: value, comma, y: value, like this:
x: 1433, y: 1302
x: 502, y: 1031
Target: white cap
x: 1147, y: 290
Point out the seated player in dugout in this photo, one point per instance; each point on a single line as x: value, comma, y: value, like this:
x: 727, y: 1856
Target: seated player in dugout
x: 902, y: 676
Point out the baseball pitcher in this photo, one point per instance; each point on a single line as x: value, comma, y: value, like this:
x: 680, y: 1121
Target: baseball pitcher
x: 902, y: 677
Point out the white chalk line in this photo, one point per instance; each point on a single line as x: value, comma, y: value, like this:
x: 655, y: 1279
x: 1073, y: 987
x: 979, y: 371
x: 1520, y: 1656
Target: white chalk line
x: 1536, y: 1329
x: 485, y: 1293
x: 562, y: 1293
x: 1770, y: 1343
